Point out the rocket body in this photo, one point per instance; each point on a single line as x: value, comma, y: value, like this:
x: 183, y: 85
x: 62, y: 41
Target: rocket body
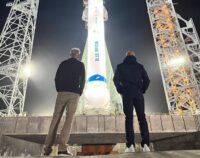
x: 96, y: 90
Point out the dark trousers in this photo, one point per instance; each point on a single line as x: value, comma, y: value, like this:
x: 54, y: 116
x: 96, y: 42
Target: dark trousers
x: 129, y: 103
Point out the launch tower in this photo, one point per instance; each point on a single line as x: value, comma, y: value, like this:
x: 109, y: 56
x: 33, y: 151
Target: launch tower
x: 176, y: 66
x: 16, y: 43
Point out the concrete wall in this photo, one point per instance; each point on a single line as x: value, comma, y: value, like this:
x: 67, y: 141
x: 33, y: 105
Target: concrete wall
x: 184, y: 142
x: 16, y: 147
x: 99, y: 124
x: 161, y: 127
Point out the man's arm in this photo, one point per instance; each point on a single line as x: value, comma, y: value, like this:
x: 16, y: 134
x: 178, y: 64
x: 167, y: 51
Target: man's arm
x: 146, y: 80
x: 58, y: 76
x: 117, y: 81
x: 82, y: 79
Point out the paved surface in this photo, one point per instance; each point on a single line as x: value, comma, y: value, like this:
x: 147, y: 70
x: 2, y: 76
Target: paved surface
x: 166, y: 154
x: 98, y: 138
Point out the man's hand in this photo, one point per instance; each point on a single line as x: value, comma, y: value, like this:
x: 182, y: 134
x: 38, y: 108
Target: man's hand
x: 120, y: 90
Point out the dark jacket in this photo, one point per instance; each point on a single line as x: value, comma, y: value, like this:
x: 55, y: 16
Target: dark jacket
x: 70, y: 76
x: 130, y: 78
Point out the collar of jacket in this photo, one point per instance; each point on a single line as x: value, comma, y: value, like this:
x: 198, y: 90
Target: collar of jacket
x: 130, y: 60
x: 72, y: 58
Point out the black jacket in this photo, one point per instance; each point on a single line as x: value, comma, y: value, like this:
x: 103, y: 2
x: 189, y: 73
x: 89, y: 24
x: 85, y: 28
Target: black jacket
x: 130, y: 78
x: 70, y: 76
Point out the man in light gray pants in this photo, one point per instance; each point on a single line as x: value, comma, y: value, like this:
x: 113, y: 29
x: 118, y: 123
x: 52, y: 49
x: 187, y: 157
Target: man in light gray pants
x: 70, y: 81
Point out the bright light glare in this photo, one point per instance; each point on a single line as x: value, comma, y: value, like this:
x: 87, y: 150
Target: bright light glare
x: 177, y: 61
x: 26, y: 71
x: 97, y: 96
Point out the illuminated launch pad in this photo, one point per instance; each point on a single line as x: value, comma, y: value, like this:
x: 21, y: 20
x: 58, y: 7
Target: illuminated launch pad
x: 180, y: 74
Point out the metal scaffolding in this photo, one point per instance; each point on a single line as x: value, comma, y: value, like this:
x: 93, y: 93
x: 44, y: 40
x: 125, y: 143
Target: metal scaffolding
x: 192, y: 42
x: 16, y: 43
x: 180, y: 84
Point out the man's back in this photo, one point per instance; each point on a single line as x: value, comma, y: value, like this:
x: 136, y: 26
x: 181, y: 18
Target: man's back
x: 70, y: 76
x: 131, y: 81
x: 131, y: 77
x: 70, y: 81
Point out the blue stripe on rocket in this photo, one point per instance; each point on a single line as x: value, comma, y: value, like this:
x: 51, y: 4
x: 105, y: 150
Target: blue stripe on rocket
x: 97, y: 77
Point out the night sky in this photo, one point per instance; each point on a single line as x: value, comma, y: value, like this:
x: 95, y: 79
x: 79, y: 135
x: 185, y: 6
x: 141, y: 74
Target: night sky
x: 59, y: 28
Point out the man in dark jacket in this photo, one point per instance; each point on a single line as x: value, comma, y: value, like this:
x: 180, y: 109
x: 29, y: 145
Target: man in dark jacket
x: 131, y: 81
x: 70, y: 81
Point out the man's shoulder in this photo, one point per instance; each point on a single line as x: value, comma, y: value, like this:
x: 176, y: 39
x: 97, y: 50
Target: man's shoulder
x: 71, y: 60
x: 64, y: 61
x: 120, y: 65
x: 136, y: 65
x: 140, y: 65
x: 80, y: 63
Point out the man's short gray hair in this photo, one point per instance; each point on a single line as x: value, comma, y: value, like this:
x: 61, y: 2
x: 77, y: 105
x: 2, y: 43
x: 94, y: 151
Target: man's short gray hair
x: 130, y: 53
x: 74, y: 52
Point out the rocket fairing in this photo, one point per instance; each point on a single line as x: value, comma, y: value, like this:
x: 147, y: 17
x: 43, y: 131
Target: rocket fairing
x: 96, y: 89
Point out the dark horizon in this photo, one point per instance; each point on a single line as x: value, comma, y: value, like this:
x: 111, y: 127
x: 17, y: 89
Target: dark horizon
x: 59, y: 28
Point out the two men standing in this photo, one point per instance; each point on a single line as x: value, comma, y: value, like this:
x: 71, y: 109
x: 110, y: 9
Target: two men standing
x: 131, y: 81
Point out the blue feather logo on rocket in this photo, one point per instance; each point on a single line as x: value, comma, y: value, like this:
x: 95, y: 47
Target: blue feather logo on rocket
x: 97, y: 77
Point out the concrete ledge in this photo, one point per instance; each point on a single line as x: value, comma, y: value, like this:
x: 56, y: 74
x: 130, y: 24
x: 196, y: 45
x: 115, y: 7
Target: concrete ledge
x: 156, y: 123
x: 100, y: 124
x: 189, y: 123
x: 22, y: 134
x: 97, y: 138
x: 160, y: 126
x: 167, y: 123
x: 179, y: 124
x: 7, y: 125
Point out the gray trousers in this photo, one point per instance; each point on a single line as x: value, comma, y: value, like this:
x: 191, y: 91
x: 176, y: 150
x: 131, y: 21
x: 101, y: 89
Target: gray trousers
x: 68, y: 101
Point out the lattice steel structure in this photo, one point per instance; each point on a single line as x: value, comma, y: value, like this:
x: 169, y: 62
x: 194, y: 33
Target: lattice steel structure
x: 180, y: 84
x: 16, y: 43
x: 192, y: 42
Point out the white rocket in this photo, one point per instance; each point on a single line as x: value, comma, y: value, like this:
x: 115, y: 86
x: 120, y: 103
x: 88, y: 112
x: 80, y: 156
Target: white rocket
x: 96, y: 90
